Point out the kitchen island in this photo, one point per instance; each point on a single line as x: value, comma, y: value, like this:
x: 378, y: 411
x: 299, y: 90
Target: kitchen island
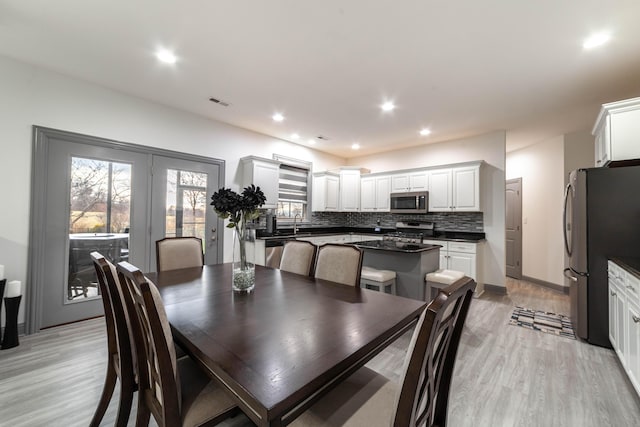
x: 410, y: 261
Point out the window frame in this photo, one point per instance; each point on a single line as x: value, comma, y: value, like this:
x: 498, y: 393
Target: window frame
x: 303, y: 164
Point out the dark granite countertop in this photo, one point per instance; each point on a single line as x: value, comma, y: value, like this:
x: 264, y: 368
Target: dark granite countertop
x: 287, y: 233
x: 388, y: 245
x: 630, y: 264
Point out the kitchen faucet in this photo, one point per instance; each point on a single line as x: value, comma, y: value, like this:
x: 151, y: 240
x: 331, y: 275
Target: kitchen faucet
x: 295, y: 228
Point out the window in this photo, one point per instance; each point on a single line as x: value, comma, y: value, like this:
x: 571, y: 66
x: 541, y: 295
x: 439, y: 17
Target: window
x: 293, y: 185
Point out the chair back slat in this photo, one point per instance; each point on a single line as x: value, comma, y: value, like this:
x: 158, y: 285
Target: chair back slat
x: 158, y: 378
x: 424, y: 395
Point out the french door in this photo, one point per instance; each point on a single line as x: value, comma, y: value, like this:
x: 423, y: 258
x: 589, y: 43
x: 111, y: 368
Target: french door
x: 180, y: 204
x: 89, y: 195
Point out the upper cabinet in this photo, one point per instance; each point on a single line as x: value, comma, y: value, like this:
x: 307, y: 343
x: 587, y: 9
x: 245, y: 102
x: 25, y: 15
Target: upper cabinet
x: 617, y: 131
x: 412, y: 181
x: 326, y: 192
x: 350, y: 190
x: 455, y: 189
x: 374, y: 193
x: 263, y: 173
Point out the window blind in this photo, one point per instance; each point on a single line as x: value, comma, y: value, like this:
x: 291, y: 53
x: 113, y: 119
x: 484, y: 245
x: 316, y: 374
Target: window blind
x: 292, y: 184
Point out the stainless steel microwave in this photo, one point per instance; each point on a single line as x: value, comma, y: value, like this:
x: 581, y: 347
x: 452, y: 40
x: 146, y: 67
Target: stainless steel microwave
x: 416, y: 202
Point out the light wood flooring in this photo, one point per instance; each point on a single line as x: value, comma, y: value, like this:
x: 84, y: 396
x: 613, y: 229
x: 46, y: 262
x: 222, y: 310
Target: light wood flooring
x: 505, y: 375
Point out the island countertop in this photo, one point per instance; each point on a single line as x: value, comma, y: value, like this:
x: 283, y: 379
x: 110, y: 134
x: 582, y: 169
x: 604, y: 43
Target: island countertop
x: 389, y: 245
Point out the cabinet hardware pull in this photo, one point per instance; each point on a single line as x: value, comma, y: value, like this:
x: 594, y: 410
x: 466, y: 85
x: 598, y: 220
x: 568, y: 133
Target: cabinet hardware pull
x: 636, y: 319
x: 613, y: 294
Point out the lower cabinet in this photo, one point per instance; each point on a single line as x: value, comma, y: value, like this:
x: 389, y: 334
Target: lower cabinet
x: 624, y: 320
x: 461, y: 256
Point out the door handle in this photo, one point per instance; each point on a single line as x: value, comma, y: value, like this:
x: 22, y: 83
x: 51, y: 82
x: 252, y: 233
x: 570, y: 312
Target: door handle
x: 572, y: 278
x: 567, y: 245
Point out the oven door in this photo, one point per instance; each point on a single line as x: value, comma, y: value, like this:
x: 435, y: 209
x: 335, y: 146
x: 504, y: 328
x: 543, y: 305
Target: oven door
x: 413, y: 202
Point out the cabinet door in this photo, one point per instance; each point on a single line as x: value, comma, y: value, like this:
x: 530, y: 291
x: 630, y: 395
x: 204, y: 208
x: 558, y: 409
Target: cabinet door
x: 368, y: 194
x: 613, y: 305
x: 332, y: 193
x: 622, y: 136
x: 440, y: 190
x: 466, y: 189
x: 383, y: 190
x: 265, y: 174
x: 399, y: 183
x: 350, y: 191
x: 418, y: 181
x: 633, y: 344
x: 462, y: 262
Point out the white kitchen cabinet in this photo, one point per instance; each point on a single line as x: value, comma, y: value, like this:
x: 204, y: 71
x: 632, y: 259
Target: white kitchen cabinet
x: 616, y: 132
x: 263, y: 173
x: 374, y: 193
x: 325, y: 192
x: 350, y: 190
x: 632, y: 321
x: 410, y: 181
x: 617, y: 299
x: 455, y: 189
x: 461, y: 256
x: 624, y: 322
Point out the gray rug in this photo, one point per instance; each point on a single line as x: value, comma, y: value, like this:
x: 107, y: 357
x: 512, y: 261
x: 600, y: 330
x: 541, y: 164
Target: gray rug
x: 551, y: 323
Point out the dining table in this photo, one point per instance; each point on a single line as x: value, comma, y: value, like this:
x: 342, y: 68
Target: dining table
x: 280, y: 347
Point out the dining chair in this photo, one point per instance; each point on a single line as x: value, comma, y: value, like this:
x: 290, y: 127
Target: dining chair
x: 173, y: 253
x: 339, y: 263
x: 368, y: 398
x: 120, y: 361
x: 175, y: 391
x: 298, y: 257
x: 273, y: 256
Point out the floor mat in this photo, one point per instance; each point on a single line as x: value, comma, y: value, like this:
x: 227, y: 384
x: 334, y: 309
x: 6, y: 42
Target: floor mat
x: 537, y: 320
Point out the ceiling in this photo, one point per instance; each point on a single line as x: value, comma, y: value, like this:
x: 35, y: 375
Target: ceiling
x: 459, y: 68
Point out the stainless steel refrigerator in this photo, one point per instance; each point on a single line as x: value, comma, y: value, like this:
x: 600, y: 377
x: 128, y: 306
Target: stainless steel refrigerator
x: 601, y: 220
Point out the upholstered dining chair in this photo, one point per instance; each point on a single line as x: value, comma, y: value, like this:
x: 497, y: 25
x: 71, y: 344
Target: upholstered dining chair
x: 298, y: 257
x: 367, y: 398
x: 339, y: 263
x: 173, y: 253
x: 120, y: 361
x: 176, y: 392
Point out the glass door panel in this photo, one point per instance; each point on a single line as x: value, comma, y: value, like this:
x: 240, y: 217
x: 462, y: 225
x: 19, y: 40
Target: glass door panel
x: 182, y: 208
x: 99, y: 218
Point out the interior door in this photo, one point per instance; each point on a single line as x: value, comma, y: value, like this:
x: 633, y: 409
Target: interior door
x: 514, y: 228
x: 95, y: 201
x: 180, y: 202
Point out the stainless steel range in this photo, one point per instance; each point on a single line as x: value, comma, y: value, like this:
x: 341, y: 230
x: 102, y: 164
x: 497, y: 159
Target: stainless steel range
x: 411, y: 232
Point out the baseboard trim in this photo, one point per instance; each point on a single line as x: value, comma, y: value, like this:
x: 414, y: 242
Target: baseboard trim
x: 552, y: 286
x: 495, y: 289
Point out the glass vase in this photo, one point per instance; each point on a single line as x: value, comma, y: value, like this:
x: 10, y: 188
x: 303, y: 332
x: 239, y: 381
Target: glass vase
x: 244, y: 269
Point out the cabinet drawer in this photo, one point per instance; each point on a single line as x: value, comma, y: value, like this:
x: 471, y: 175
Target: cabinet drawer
x: 633, y: 288
x: 616, y: 272
x: 469, y: 248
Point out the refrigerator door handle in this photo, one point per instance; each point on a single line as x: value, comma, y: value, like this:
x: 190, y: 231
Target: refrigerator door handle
x: 567, y: 245
x: 572, y: 278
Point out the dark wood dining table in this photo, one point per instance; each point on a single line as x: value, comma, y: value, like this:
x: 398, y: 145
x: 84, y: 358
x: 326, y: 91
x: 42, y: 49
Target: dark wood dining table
x: 280, y: 347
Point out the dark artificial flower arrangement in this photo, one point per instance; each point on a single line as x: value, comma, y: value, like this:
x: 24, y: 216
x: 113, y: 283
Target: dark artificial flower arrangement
x: 238, y: 208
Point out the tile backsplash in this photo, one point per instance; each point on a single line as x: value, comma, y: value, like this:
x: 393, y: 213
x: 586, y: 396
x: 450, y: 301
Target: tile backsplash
x: 452, y: 221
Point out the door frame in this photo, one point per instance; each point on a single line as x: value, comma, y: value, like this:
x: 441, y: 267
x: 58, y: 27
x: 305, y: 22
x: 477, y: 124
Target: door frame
x: 41, y: 136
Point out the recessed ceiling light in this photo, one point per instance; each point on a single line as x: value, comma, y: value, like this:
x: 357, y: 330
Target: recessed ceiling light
x: 596, y: 40
x: 295, y: 136
x: 277, y: 117
x: 425, y: 132
x: 355, y: 146
x: 311, y: 141
x: 388, y: 106
x: 166, y: 56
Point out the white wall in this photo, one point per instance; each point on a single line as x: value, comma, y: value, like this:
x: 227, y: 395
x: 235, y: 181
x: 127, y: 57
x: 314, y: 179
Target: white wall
x: 34, y: 96
x: 541, y: 167
x: 490, y: 148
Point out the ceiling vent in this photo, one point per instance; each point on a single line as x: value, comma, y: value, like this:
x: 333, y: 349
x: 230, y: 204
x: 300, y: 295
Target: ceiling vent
x: 219, y: 102
x: 322, y: 137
